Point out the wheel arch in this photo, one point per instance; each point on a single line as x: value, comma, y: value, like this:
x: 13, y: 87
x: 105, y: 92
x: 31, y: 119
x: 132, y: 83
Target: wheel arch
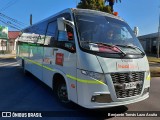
x: 57, y: 77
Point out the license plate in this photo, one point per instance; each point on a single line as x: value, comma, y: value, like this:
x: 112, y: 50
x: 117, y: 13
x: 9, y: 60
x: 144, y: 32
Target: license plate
x: 130, y: 85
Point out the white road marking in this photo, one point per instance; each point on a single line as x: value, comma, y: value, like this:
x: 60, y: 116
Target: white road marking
x: 9, y: 64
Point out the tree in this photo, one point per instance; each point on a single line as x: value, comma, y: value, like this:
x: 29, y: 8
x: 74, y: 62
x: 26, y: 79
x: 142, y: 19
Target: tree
x: 111, y: 3
x: 97, y: 5
x: 94, y: 5
x: 91, y: 4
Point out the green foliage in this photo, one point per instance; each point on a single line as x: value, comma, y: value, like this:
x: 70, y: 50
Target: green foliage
x: 91, y: 4
x: 98, y: 5
x: 94, y: 5
x: 107, y: 9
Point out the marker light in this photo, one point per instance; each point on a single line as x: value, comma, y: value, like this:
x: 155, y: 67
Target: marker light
x: 115, y: 13
x: 148, y: 77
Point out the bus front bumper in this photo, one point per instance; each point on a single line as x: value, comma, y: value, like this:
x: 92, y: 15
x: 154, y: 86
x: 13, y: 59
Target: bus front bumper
x: 95, y: 105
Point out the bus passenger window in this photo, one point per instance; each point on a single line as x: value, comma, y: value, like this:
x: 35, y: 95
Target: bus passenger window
x: 51, y: 34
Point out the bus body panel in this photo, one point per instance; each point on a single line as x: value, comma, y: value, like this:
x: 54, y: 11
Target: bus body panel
x: 88, y: 62
x: 123, y: 65
x: 67, y: 68
x: 84, y: 98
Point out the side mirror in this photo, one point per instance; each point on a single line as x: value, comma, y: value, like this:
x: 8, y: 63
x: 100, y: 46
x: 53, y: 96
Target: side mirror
x: 61, y: 25
x: 62, y: 22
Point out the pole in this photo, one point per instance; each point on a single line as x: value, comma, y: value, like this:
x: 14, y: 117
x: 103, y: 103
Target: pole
x: 30, y: 19
x: 158, y: 39
x: 76, y: 2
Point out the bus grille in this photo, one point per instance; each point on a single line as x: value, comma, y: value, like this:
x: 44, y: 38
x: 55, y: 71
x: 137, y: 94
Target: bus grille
x: 119, y: 80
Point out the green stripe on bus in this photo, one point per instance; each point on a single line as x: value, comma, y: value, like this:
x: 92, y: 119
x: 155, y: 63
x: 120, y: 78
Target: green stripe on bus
x: 69, y: 76
x: 37, y: 63
x: 85, y: 81
x: 48, y: 68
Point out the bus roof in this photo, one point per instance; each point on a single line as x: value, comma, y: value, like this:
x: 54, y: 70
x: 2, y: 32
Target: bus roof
x: 77, y: 10
x: 96, y: 13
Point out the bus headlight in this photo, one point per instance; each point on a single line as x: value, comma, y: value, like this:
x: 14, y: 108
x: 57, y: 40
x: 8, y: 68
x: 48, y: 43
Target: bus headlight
x: 94, y: 75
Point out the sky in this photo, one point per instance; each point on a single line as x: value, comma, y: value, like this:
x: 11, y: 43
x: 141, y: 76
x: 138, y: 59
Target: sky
x: 143, y: 14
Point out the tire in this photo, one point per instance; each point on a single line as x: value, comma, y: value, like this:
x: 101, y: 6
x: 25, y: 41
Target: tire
x: 61, y: 92
x: 25, y: 72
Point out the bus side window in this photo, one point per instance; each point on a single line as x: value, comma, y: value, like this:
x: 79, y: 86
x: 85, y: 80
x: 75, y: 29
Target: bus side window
x: 51, y: 34
x: 66, y: 39
x: 70, y: 33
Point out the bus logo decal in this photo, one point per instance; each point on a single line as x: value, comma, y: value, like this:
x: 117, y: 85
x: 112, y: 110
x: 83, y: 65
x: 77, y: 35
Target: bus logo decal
x: 59, y: 59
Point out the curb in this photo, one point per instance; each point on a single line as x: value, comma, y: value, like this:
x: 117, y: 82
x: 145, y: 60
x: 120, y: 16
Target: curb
x: 7, y: 56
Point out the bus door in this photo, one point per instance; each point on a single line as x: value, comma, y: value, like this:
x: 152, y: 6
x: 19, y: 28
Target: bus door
x: 66, y: 58
x: 60, y: 56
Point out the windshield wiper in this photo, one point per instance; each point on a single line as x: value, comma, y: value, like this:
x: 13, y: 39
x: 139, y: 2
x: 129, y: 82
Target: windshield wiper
x: 133, y: 47
x: 109, y: 45
x: 123, y: 53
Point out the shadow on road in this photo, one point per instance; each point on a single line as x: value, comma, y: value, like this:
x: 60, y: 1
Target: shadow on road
x: 75, y: 110
x: 19, y: 92
x: 98, y: 113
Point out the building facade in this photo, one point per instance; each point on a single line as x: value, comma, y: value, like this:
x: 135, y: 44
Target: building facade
x: 9, y: 45
x: 149, y: 42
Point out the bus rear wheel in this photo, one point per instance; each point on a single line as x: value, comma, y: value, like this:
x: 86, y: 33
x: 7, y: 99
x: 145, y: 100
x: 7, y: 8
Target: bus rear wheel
x: 25, y: 72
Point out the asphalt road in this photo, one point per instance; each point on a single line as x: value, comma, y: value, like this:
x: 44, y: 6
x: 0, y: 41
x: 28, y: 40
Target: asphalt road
x: 26, y: 93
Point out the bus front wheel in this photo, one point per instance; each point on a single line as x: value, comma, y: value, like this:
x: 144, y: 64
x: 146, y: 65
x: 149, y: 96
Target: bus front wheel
x: 62, y: 93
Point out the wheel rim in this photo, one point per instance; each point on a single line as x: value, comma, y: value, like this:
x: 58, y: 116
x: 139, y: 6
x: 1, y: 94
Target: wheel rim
x: 62, y: 93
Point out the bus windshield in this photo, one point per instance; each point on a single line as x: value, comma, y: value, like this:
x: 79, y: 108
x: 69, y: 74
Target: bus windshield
x: 101, y: 33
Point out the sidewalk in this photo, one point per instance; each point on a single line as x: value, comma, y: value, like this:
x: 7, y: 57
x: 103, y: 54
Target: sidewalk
x: 6, y: 56
x: 154, y: 64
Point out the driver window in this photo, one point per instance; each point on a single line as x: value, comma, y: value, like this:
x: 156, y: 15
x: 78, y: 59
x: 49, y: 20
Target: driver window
x: 70, y: 33
x: 66, y: 38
